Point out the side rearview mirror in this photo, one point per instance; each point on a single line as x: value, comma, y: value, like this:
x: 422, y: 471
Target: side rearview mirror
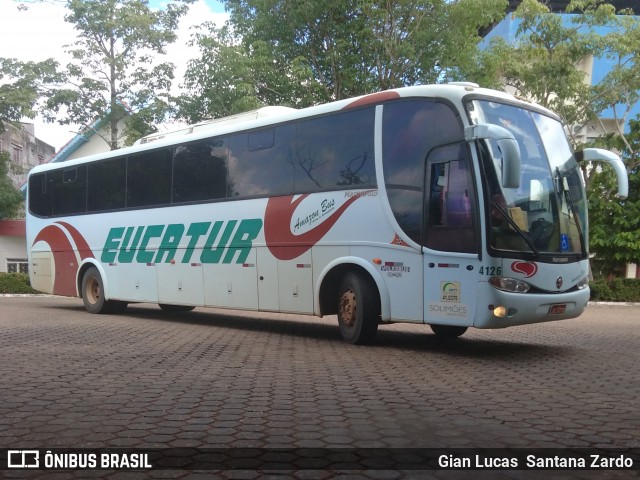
x: 508, y: 146
x: 601, y: 155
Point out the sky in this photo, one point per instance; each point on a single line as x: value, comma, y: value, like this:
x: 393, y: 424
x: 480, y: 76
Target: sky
x: 40, y: 32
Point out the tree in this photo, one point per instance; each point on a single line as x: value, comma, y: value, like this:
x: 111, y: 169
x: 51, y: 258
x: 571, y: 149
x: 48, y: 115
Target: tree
x: 303, y: 53
x: 544, y: 64
x: 229, y: 78
x: 22, y: 85
x: 114, y: 68
x: 614, y: 223
x: 10, y: 198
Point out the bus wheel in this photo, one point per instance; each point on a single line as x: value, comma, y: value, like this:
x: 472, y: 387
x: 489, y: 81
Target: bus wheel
x: 175, y: 308
x: 358, y: 309
x: 93, y: 292
x: 448, y: 331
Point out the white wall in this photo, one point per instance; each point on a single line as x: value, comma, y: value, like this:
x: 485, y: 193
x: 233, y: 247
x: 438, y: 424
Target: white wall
x: 11, y: 247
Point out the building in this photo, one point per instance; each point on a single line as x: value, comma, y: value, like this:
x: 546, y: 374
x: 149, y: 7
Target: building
x: 561, y: 5
x: 13, y: 257
x: 13, y: 249
x: 24, y: 149
x: 595, y: 69
x: 89, y: 141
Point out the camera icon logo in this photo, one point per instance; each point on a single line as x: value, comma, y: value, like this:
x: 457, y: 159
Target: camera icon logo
x: 23, y: 459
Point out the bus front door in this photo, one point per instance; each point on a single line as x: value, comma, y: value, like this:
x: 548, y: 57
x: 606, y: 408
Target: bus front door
x: 450, y: 238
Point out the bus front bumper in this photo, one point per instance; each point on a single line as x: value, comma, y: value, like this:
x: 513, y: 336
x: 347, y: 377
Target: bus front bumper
x: 498, y: 309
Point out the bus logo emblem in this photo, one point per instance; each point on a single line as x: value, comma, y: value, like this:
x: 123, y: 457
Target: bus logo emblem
x: 528, y: 269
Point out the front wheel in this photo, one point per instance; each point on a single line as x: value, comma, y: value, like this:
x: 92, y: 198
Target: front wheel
x: 448, y: 331
x: 358, y: 308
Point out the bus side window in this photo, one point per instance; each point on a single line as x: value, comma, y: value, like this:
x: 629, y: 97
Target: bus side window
x: 200, y: 171
x: 450, y: 208
x: 149, y: 178
x: 39, y: 195
x: 107, y: 185
x: 335, y: 151
x: 411, y: 129
x: 69, y: 187
x: 261, y: 139
x: 258, y: 162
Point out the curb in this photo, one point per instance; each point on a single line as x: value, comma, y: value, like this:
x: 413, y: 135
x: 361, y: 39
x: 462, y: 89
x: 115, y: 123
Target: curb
x: 614, y: 304
x: 26, y: 295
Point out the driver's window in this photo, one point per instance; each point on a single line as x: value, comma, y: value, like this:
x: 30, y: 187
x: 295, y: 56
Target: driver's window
x: 450, y: 203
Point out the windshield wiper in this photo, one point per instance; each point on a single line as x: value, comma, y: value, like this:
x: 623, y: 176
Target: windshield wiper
x: 563, y: 185
x: 515, y: 227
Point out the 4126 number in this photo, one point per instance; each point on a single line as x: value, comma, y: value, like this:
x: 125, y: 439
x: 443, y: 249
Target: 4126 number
x: 491, y: 271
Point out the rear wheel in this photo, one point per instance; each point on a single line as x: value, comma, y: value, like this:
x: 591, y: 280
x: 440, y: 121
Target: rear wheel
x: 358, y: 308
x: 175, y: 308
x: 448, y: 331
x: 93, y: 292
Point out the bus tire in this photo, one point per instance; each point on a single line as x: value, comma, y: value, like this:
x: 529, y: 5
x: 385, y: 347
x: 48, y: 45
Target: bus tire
x: 358, y: 308
x: 448, y: 331
x: 165, y: 307
x: 93, y: 292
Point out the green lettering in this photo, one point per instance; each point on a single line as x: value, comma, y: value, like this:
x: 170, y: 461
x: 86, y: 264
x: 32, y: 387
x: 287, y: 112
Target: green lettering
x: 144, y: 255
x: 128, y: 251
x: 242, y: 241
x: 111, y: 245
x: 213, y: 255
x: 196, y: 230
x: 170, y: 242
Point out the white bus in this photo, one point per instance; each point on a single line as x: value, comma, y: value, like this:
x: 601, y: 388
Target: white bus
x: 449, y: 205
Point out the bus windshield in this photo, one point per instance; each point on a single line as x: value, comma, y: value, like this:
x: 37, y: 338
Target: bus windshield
x: 547, y: 212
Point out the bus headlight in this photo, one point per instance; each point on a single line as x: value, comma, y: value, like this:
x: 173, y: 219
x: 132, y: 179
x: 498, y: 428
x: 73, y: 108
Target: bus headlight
x: 509, y: 284
x: 582, y: 284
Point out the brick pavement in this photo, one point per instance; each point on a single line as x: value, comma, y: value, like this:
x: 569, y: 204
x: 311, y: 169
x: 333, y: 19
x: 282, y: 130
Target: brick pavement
x: 214, y: 378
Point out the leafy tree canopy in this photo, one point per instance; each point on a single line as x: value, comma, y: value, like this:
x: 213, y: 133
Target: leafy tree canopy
x: 22, y: 85
x: 287, y: 52
x: 115, y: 66
x: 545, y: 64
x: 10, y: 198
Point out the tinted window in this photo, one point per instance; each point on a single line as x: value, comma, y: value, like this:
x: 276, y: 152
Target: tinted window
x: 107, y: 185
x: 335, y: 151
x: 265, y: 170
x: 69, y: 190
x: 450, y: 201
x: 39, y: 195
x: 149, y: 178
x: 411, y: 129
x: 200, y: 171
x: 329, y: 152
x: 312, y: 155
x: 261, y: 139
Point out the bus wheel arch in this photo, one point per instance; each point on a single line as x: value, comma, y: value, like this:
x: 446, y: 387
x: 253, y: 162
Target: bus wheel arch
x: 329, y: 281
x: 92, y: 290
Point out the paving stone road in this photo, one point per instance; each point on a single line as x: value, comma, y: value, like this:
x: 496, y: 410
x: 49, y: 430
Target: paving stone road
x: 217, y: 379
